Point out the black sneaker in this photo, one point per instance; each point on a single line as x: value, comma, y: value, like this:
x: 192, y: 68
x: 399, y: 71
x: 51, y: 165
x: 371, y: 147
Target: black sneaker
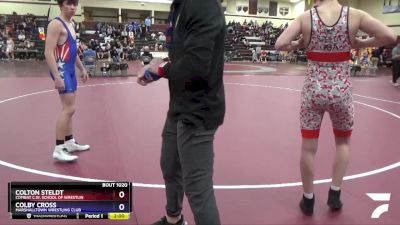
x: 163, y: 221
x: 334, y: 200
x: 307, y: 205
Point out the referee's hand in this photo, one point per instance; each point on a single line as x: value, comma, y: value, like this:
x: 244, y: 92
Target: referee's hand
x: 152, y: 67
x: 141, y: 79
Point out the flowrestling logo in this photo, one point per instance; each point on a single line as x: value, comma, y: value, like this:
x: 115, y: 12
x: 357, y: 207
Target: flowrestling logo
x: 380, y: 197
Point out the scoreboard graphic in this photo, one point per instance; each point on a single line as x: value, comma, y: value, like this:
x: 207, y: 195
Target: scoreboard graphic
x: 70, y: 200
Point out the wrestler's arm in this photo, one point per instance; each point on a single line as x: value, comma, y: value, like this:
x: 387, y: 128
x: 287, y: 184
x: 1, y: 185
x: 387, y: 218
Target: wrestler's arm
x: 286, y: 41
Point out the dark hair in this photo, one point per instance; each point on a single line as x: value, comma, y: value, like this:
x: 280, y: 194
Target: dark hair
x: 61, y: 2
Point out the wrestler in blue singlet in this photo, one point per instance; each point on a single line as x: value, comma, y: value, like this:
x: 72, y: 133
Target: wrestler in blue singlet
x: 65, y: 55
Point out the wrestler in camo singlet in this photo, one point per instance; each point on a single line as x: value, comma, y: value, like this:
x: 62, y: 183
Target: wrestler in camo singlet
x: 327, y: 86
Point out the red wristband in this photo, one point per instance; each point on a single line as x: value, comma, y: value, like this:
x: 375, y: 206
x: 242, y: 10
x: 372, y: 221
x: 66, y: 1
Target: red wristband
x: 161, y: 71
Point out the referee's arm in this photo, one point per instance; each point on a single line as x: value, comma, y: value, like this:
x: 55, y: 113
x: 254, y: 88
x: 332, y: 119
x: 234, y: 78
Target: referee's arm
x: 202, y: 25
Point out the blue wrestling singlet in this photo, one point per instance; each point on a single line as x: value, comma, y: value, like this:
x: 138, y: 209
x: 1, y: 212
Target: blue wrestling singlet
x: 65, y: 55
